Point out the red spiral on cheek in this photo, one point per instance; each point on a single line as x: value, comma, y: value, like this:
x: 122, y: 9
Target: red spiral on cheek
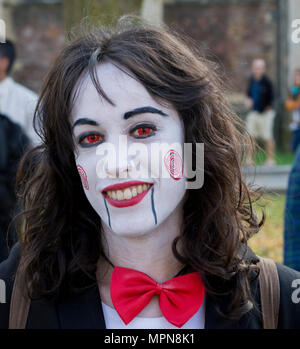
x: 83, y: 177
x: 173, y: 163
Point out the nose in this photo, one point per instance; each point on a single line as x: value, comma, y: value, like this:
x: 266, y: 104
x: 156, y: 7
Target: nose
x: 121, y: 169
x: 117, y: 163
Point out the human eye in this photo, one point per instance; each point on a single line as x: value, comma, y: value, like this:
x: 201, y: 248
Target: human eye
x: 143, y: 131
x: 90, y: 139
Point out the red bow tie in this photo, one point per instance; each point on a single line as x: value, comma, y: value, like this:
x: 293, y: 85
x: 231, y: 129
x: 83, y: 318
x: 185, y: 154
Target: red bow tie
x: 179, y: 298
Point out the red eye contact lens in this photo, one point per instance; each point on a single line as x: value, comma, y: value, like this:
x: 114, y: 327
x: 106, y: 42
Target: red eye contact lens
x: 143, y: 131
x: 93, y: 138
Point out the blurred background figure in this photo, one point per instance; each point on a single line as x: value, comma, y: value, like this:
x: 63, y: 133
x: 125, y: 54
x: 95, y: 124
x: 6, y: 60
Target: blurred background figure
x: 16, y: 101
x: 260, y: 120
x: 291, y: 252
x: 292, y: 104
x: 13, y: 143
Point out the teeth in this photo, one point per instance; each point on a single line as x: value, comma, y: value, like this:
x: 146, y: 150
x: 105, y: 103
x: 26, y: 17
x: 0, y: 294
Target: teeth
x: 128, y: 193
x: 120, y: 195
x: 134, y: 191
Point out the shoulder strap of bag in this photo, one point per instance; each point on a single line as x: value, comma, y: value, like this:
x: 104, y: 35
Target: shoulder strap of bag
x: 269, y: 292
x: 19, y: 305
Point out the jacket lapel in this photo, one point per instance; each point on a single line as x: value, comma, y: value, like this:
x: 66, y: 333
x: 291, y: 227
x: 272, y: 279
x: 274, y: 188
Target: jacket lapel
x: 83, y: 311
x: 213, y: 320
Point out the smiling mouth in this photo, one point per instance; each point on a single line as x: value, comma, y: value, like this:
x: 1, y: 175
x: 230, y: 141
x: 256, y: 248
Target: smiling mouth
x: 126, y: 194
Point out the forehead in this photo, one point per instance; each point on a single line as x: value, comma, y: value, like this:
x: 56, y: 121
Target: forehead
x: 123, y: 90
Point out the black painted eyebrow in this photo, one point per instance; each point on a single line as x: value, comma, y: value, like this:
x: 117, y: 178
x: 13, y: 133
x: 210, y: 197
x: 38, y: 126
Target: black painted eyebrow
x: 143, y: 110
x: 85, y: 121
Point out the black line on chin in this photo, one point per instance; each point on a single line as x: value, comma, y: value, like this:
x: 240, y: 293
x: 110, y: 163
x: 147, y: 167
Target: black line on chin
x: 152, y: 206
x: 108, y: 215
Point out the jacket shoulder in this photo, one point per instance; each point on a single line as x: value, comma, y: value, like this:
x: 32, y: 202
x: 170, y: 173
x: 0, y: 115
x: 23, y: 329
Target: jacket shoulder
x: 8, y: 270
x: 289, y: 308
x: 267, y: 81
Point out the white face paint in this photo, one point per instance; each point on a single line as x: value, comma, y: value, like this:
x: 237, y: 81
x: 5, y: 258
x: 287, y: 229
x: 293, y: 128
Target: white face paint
x: 163, y: 125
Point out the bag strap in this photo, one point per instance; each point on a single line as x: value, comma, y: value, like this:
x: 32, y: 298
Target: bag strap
x: 19, y: 305
x: 269, y: 292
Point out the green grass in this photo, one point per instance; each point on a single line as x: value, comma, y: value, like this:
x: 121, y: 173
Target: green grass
x: 268, y: 242
x: 280, y: 158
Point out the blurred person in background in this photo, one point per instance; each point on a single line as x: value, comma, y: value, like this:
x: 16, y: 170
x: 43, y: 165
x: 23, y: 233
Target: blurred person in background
x: 260, y: 120
x: 16, y: 101
x: 13, y: 142
x: 291, y: 252
x: 292, y: 104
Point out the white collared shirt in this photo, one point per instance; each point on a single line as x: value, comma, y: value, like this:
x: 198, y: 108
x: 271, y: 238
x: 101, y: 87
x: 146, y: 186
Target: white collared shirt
x: 113, y: 320
x: 18, y: 103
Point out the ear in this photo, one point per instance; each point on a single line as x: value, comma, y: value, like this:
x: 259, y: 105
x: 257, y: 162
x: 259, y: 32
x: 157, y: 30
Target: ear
x: 4, y: 63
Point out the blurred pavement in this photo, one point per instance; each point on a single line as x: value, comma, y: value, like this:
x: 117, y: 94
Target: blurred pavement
x: 272, y: 178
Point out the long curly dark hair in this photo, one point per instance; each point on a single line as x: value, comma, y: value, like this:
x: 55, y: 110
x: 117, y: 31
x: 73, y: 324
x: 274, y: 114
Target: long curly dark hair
x: 60, y: 231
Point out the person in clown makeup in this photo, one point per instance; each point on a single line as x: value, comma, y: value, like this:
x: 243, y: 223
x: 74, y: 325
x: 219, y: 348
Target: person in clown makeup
x: 103, y: 247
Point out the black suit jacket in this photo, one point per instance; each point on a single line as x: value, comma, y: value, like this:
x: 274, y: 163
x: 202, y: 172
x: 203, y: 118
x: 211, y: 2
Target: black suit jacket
x: 13, y: 144
x: 84, y: 311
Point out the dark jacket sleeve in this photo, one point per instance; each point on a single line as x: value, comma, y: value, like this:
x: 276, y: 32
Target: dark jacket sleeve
x: 289, y: 309
x: 8, y: 269
x: 249, y: 88
x: 291, y: 250
x: 269, y: 92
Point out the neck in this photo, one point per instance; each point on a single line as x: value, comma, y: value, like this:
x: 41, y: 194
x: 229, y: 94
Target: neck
x: 150, y: 253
